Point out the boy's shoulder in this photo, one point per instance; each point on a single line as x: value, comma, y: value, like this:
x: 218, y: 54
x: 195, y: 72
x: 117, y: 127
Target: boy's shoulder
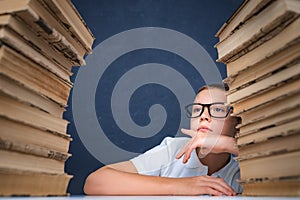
x: 174, y: 144
x: 174, y: 141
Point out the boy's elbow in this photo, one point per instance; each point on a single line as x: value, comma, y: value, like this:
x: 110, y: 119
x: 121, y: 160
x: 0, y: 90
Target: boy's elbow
x: 95, y: 183
x: 90, y: 184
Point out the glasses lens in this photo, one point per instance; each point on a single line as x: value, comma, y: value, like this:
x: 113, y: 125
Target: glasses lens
x: 193, y: 110
x: 219, y: 110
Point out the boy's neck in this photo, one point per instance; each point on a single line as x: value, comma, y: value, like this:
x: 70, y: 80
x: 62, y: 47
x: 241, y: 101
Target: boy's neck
x: 215, y: 162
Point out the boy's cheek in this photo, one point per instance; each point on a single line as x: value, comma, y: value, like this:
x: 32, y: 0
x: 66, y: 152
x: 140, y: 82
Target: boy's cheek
x: 194, y: 124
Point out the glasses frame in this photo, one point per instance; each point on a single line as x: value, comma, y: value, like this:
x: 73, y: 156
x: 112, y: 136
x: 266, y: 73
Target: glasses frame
x: 208, y: 108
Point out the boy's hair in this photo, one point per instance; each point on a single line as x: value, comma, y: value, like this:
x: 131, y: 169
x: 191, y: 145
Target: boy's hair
x: 223, y: 86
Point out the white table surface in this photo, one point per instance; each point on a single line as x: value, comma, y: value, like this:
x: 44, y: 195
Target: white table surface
x: 150, y: 198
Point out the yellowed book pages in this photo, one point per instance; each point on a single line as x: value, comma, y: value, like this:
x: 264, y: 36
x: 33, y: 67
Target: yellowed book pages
x: 269, y: 21
x: 272, y: 166
x: 270, y: 121
x: 286, y: 187
x: 23, y: 93
x: 69, y: 16
x: 31, y: 149
x: 31, y: 38
x: 265, y: 84
x: 247, y: 9
x: 34, y: 13
x: 19, y: 131
x: 271, y: 108
x: 276, y: 92
x: 24, y: 183
x: 17, y: 110
x: 21, y: 161
x: 284, y: 39
x: 277, y: 130
x: 34, y: 76
x: 283, y: 143
x: 13, y: 40
x: 265, y: 68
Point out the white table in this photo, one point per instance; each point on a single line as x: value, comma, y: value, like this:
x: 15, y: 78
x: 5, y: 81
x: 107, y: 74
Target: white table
x: 149, y: 198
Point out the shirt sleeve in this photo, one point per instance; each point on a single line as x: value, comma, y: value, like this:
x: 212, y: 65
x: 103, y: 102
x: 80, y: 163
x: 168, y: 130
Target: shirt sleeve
x: 151, y: 162
x: 236, y: 185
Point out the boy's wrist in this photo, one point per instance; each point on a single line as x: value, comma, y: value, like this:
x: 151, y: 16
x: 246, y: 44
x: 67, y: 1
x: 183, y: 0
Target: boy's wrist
x: 232, y: 146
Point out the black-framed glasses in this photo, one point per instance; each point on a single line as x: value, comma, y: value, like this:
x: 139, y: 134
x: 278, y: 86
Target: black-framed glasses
x: 217, y: 110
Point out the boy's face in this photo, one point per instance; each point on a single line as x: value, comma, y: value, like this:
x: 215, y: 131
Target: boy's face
x: 207, y: 124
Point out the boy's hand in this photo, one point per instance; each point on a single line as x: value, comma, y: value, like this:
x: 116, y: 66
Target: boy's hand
x: 208, y: 143
x: 198, y: 185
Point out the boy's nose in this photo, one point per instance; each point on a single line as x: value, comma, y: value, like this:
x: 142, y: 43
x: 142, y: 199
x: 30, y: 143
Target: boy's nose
x: 205, y: 115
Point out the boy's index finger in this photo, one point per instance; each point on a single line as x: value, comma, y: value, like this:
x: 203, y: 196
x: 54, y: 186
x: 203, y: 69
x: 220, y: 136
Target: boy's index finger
x: 188, y: 132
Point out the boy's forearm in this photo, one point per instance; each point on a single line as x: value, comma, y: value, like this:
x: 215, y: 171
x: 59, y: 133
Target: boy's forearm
x: 108, y: 181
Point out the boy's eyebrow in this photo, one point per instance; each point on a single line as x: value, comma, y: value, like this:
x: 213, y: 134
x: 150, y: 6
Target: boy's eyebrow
x: 212, y: 103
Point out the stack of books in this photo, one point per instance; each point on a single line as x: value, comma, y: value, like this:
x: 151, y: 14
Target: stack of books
x: 40, y: 41
x: 260, y: 45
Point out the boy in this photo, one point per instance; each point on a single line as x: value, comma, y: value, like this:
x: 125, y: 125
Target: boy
x: 202, y: 164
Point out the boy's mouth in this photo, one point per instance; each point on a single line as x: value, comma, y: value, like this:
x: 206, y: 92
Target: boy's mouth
x: 203, y: 129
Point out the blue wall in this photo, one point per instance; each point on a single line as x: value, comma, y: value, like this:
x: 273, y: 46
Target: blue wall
x: 149, y: 59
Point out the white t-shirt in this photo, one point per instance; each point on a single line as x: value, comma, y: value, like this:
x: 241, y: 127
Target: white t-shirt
x: 161, y: 161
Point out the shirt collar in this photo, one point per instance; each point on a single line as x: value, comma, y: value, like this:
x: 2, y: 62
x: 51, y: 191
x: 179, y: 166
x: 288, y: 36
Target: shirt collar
x: 225, y: 169
x: 194, y: 161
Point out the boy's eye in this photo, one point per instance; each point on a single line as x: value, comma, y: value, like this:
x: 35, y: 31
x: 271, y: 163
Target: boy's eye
x: 196, y: 110
x: 218, y: 109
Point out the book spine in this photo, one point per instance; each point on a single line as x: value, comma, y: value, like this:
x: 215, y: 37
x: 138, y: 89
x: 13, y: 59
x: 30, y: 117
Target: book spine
x: 33, y: 149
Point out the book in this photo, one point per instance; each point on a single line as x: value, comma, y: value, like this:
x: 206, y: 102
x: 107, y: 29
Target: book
x: 245, y: 11
x: 42, y: 19
x: 276, y: 130
x: 264, y: 68
x: 267, y: 109
x: 22, y: 132
x: 24, y: 161
x: 32, y: 39
x: 29, y: 74
x: 27, y: 183
x: 13, y: 40
x: 269, y: 121
x: 22, y: 93
x: 270, y: 145
x: 40, y: 42
x: 290, y: 35
x: 15, y: 109
x: 286, y: 187
x: 270, y: 20
x: 67, y: 15
x: 276, y: 78
x: 20, y: 147
x: 260, y: 47
x: 283, y: 89
x: 270, y: 166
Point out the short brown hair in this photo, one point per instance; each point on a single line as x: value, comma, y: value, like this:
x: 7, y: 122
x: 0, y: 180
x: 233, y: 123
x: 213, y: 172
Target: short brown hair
x: 223, y: 86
